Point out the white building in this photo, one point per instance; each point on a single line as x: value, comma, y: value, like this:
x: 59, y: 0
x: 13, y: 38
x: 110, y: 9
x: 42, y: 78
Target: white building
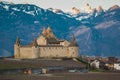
x: 95, y: 64
x: 117, y: 66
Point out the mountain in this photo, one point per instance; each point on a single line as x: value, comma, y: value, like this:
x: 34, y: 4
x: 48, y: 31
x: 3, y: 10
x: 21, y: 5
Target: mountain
x: 114, y: 7
x: 97, y: 33
x: 26, y: 21
x: 100, y: 9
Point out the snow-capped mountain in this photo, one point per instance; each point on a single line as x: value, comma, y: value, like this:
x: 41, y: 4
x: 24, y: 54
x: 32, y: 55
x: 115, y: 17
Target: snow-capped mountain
x: 97, y: 33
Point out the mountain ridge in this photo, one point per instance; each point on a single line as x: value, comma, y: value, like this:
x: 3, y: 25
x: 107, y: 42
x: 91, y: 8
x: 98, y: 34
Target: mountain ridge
x: 91, y: 30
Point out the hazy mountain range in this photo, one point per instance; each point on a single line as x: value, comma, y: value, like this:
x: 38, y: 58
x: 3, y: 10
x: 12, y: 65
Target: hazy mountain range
x: 97, y: 32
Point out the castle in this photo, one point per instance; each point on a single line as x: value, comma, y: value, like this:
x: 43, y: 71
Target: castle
x: 47, y: 45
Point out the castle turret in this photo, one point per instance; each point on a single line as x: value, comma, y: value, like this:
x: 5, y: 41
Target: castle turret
x: 35, y: 44
x: 73, y: 48
x: 17, y: 48
x: 48, y: 30
x: 35, y: 48
x: 49, y: 33
x: 17, y: 41
x: 44, y: 31
x: 73, y: 42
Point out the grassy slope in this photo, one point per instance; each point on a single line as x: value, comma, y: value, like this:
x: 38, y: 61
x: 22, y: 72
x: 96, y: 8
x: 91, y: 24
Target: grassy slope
x: 6, y: 64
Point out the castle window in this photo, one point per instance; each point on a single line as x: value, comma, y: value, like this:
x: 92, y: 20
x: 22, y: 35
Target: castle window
x: 73, y: 52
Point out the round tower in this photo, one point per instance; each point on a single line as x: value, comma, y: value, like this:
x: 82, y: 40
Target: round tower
x: 17, y: 48
x: 73, y: 49
x: 35, y: 49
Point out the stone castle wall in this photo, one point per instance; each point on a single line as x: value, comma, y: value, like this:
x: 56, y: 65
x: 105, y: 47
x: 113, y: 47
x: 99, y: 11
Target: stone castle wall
x: 73, y: 51
x: 53, y: 52
x: 47, y: 45
x: 26, y: 52
x: 46, y: 52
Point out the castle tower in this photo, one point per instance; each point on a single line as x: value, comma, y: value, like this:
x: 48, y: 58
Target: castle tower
x: 35, y: 49
x: 44, y: 31
x: 41, y: 40
x: 17, y: 41
x: 17, y: 48
x: 35, y: 44
x: 48, y: 30
x: 73, y: 48
x: 50, y: 33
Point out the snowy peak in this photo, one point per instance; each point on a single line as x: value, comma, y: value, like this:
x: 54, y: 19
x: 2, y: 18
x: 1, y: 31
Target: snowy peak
x: 4, y: 2
x: 88, y: 8
x: 75, y: 10
x: 114, y: 7
x: 25, y: 8
x: 55, y: 10
x: 100, y: 9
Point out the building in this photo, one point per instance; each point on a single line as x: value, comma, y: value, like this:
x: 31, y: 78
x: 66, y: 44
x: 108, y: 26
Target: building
x: 47, y: 45
x: 117, y: 66
x: 95, y: 64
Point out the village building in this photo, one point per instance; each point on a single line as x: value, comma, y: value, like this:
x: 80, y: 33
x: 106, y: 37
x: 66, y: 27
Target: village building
x: 117, y: 66
x: 47, y: 45
x: 95, y: 64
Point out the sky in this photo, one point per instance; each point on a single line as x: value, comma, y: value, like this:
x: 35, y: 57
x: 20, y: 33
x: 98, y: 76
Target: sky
x: 68, y: 4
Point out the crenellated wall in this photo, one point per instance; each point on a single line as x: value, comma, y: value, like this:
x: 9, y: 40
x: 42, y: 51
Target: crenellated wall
x: 45, y: 52
x: 53, y: 52
x: 26, y: 52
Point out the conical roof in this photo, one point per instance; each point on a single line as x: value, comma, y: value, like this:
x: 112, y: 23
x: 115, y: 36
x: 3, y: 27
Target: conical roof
x: 44, y: 31
x: 48, y: 30
x: 17, y: 41
x: 34, y: 43
x: 49, y: 36
x: 73, y: 42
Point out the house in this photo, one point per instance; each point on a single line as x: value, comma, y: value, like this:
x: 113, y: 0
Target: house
x: 117, y: 66
x: 95, y: 64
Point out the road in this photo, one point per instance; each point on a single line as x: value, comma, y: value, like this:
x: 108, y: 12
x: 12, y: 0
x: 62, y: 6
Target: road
x: 65, y: 76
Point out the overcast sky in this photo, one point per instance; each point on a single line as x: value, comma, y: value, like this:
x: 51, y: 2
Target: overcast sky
x: 68, y: 4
